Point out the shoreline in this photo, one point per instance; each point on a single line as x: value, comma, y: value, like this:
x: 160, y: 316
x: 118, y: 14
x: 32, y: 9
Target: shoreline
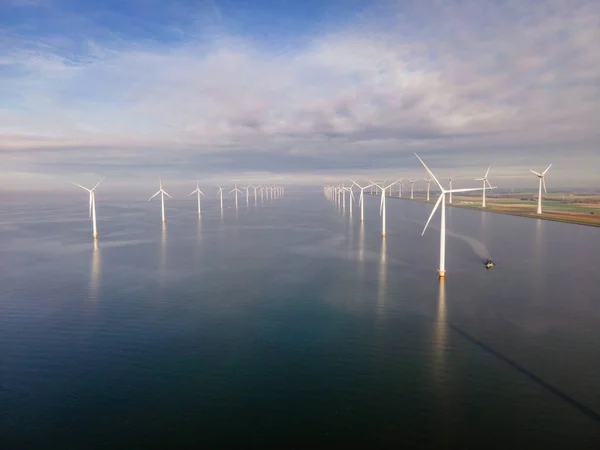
x: 532, y: 215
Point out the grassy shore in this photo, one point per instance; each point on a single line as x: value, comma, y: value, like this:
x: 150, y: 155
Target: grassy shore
x: 570, y: 208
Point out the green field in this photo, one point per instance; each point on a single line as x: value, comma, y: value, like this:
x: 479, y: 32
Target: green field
x: 583, y: 209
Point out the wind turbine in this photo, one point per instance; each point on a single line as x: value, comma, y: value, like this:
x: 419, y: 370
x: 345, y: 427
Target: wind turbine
x: 255, y: 194
x: 361, y: 199
x: 542, y: 181
x: 382, y: 204
x: 199, y: 192
x: 235, y: 190
x: 162, y: 193
x: 429, y: 180
x: 484, y: 179
x: 92, y: 192
x: 247, y: 191
x: 412, y: 188
x: 220, y: 194
x: 442, y: 200
x: 350, y: 198
x: 343, y: 194
x: 400, y: 187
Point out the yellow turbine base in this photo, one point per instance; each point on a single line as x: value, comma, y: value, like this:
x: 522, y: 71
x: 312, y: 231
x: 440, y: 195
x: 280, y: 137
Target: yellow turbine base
x: 95, y: 236
x: 382, y: 234
x: 441, y: 273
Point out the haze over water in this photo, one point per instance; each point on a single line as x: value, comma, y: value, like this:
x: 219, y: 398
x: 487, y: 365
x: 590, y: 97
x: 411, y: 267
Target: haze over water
x: 288, y: 322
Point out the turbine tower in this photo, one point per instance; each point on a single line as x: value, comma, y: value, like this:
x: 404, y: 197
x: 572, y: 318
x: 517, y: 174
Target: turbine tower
x: 400, y: 187
x: 542, y: 179
x: 236, y: 190
x: 382, y: 204
x: 350, y: 197
x: 429, y: 180
x: 220, y: 194
x: 412, y: 188
x: 485, y: 181
x: 442, y: 200
x: 92, y: 192
x: 162, y: 193
x: 361, y: 199
x: 199, y: 192
x: 247, y: 188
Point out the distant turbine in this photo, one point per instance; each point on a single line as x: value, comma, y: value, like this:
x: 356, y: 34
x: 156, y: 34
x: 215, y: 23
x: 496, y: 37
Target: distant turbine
x: 162, y: 193
x: 484, y: 179
x: 255, y: 194
x: 247, y: 191
x: 442, y: 200
x: 199, y: 192
x: 92, y: 192
x: 542, y: 181
x: 343, y: 194
x: 361, y: 199
x: 429, y: 180
x: 450, y: 189
x: 412, y: 188
x: 400, y: 187
x: 382, y: 204
x: 220, y: 194
x: 236, y: 190
x: 350, y: 198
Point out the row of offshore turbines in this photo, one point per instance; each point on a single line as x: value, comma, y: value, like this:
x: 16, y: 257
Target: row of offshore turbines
x: 268, y: 192
x: 337, y: 194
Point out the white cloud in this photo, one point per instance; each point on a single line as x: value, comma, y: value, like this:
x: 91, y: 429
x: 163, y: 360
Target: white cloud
x: 466, y: 82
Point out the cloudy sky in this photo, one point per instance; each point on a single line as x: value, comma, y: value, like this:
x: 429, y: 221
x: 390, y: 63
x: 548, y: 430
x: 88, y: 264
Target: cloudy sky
x: 304, y: 90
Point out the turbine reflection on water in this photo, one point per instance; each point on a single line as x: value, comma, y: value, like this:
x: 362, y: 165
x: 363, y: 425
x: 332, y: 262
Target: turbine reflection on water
x: 382, y: 292
x: 440, y: 339
x: 95, y: 274
x: 163, y: 255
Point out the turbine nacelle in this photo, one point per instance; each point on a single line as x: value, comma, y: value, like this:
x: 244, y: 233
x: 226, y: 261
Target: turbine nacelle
x: 541, y: 176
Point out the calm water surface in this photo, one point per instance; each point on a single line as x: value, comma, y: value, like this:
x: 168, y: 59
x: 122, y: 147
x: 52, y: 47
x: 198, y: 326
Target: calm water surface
x: 290, y: 322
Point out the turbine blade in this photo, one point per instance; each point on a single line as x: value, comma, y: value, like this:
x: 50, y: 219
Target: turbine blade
x: 158, y: 192
x: 430, y: 173
x: 466, y: 190
x: 193, y: 192
x: 165, y: 192
x: 91, y: 196
x: 201, y: 193
x: 537, y: 173
x: 98, y: 184
x: 544, y: 183
x: 82, y: 187
x: 544, y: 172
x: 437, y: 204
x: 374, y: 184
x: 487, y: 172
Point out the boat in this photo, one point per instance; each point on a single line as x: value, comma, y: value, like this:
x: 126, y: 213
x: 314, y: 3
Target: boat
x: 489, y: 264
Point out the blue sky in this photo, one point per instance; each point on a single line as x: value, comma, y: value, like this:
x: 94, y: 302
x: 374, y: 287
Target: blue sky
x: 309, y: 90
